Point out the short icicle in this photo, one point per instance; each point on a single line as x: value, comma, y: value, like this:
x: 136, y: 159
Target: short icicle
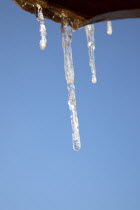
x: 109, y: 27
x: 89, y: 29
x: 69, y: 76
x: 43, y: 31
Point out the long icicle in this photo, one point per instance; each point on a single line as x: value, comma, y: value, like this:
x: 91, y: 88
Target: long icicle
x: 69, y: 76
x: 43, y: 31
x: 109, y: 27
x: 89, y: 29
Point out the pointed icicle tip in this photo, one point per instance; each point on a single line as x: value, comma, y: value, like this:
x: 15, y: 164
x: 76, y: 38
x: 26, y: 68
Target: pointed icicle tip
x: 94, y: 80
x: 76, y: 145
x: 42, y: 45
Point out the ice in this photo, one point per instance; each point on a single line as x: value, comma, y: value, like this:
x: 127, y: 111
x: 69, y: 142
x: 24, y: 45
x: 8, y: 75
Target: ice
x: 69, y: 76
x: 89, y: 29
x: 109, y: 27
x: 43, y: 32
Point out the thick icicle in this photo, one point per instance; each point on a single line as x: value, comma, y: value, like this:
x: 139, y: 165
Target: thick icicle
x: 69, y: 76
x: 89, y: 29
x: 43, y: 32
x: 109, y: 27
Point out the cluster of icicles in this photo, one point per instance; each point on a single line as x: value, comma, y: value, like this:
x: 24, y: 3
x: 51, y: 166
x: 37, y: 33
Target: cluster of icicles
x: 68, y: 64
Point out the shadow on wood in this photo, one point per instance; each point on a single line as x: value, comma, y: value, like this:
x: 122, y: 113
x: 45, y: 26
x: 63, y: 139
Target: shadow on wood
x: 83, y: 12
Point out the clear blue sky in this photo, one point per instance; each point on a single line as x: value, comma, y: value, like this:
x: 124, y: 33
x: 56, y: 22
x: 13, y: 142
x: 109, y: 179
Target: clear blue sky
x: 38, y: 168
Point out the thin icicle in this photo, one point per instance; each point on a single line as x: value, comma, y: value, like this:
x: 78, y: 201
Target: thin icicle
x: 109, y: 27
x: 89, y: 29
x: 69, y: 76
x: 43, y: 31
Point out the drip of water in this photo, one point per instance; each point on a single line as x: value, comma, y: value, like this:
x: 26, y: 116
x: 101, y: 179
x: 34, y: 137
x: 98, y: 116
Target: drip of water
x: 43, y: 31
x: 69, y: 76
x: 89, y: 29
x: 109, y: 27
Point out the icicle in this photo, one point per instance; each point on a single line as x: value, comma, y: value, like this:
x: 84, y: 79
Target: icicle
x: 43, y: 32
x: 89, y: 29
x: 69, y: 76
x: 109, y: 27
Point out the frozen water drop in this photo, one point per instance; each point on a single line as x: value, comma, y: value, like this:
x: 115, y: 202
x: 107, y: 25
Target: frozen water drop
x: 109, y: 27
x: 94, y: 79
x: 76, y: 145
x: 43, y: 31
x: 69, y: 76
x: 42, y: 45
x: 89, y: 29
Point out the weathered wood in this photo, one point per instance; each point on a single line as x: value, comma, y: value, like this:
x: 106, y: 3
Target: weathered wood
x: 83, y: 12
